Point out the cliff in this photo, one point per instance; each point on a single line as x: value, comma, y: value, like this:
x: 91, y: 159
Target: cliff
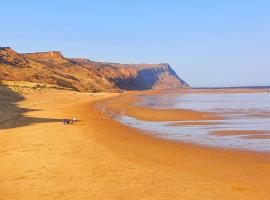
x: 10, y: 57
x: 50, y: 56
x: 85, y: 75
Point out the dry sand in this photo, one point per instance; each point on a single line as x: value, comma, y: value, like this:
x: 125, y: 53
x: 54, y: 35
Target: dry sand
x: 98, y: 158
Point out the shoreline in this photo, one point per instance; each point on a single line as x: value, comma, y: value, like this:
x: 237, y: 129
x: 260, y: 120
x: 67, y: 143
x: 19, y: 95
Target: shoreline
x: 100, y: 158
x: 126, y: 103
x: 132, y: 112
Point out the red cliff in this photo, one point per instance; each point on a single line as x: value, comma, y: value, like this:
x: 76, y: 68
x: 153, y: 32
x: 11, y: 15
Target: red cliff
x: 83, y: 74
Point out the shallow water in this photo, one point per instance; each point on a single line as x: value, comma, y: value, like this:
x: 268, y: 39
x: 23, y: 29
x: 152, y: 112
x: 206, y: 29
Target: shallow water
x: 241, y: 111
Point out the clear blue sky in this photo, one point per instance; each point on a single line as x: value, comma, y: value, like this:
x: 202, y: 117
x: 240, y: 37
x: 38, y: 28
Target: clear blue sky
x: 207, y: 42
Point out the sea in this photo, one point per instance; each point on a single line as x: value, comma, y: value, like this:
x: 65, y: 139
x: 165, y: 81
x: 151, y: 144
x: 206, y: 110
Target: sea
x: 241, y: 112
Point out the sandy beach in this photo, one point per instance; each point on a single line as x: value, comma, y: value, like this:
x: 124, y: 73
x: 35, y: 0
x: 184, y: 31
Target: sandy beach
x: 99, y: 158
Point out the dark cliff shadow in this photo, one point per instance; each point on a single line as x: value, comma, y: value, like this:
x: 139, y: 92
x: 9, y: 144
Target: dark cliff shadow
x: 149, y: 78
x: 12, y: 116
x: 144, y: 80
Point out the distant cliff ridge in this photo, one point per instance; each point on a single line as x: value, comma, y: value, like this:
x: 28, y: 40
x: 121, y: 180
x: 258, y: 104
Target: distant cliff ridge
x: 84, y: 75
x: 53, y: 56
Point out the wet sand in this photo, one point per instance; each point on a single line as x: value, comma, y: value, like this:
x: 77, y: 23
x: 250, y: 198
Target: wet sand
x: 127, y: 106
x: 194, y: 123
x: 240, y: 132
x: 99, y: 158
x: 257, y: 136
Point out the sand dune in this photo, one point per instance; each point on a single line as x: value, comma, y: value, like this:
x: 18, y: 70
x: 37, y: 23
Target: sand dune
x: 98, y: 158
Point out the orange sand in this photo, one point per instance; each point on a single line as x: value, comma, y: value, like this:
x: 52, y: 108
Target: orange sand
x: 98, y: 158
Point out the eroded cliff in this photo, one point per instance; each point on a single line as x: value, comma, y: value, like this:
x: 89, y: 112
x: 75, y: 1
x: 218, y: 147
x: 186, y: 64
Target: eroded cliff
x: 85, y: 75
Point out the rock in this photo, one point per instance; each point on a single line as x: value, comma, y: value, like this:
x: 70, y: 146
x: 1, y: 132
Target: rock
x: 10, y: 57
x: 84, y: 75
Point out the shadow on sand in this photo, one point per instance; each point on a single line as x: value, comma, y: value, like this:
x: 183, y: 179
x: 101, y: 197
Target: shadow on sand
x: 11, y: 116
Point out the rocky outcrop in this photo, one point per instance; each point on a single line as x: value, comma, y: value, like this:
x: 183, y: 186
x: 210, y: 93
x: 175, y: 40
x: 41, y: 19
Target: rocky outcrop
x: 83, y: 74
x: 160, y: 76
x: 50, y: 56
x: 10, y: 57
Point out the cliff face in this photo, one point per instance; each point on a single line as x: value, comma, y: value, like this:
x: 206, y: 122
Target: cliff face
x: 10, y: 57
x: 85, y: 75
x: 157, y: 77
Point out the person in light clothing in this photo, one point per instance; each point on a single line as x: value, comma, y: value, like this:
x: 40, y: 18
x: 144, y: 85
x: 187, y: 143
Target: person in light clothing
x: 74, y: 119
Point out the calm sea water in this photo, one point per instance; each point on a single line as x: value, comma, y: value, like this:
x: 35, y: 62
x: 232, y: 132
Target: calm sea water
x: 241, y: 111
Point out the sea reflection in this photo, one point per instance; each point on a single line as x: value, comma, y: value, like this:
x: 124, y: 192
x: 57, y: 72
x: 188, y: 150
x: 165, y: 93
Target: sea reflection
x: 242, y: 112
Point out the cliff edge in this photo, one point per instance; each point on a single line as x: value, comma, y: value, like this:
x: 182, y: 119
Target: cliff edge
x: 84, y: 75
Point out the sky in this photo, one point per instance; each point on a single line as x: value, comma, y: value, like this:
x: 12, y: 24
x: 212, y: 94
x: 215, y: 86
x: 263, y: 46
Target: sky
x: 207, y: 42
